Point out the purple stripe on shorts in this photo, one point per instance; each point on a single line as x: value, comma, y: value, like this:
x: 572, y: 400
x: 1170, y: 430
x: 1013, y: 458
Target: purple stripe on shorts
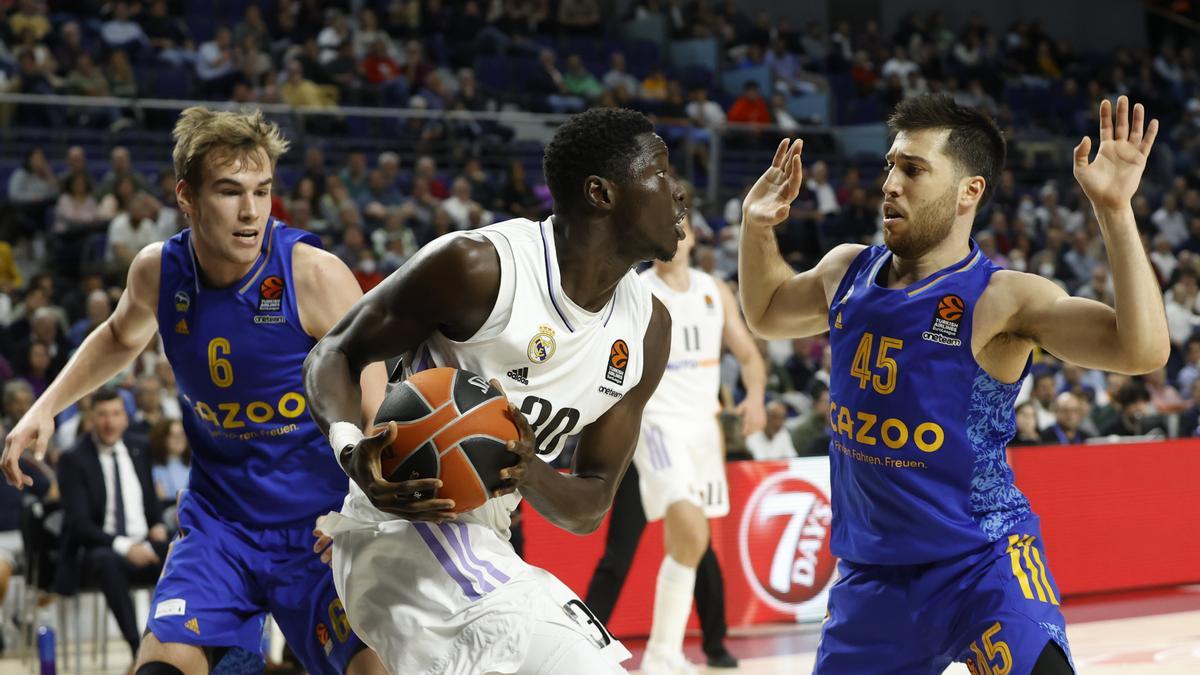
x: 451, y: 537
x: 447, y: 564
x: 466, y: 538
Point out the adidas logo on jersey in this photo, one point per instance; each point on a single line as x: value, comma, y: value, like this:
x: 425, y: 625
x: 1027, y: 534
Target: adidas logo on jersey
x: 520, y: 375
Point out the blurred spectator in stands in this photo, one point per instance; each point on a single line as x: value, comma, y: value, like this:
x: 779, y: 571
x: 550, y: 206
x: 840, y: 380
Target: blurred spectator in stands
x: 1164, y: 398
x: 579, y: 81
x: 655, y: 85
x: 1163, y: 257
x: 336, y: 198
x: 618, y: 81
x: 704, y: 113
x: 1181, y: 303
x: 459, y: 205
x: 987, y: 245
x: 172, y: 459
x: 1191, y: 368
x: 1042, y: 397
x: 120, y: 166
x: 1170, y: 221
x: 818, y: 183
x: 121, y: 31
x: 75, y: 161
x: 1068, y: 417
x: 415, y: 68
x: 253, y: 65
x: 354, y: 174
x: 44, y: 329
x: 810, y: 430
x: 99, y: 307
x: 858, y: 220
x: 1027, y: 428
x: 482, y: 189
x: 1099, y: 285
x: 750, y: 107
x: 379, y: 196
x: 18, y: 397
x: 773, y: 442
x: 30, y: 15
x: 168, y: 35
x: 35, y: 368
x: 132, y: 230
x: 547, y: 85
x: 33, y: 187
x: 517, y: 194
x: 1080, y: 263
x: 366, y: 270
x: 781, y: 117
x: 1048, y: 261
x: 426, y: 168
x: 1107, y: 409
x: 579, y: 17
x: 779, y: 382
x: 301, y: 92
x: 384, y: 75
x: 44, y: 63
x: 369, y: 33
x: 254, y: 27
x: 148, y: 412
x: 345, y: 72
x: 69, y: 47
x: 85, y: 79
x: 353, y: 243
x: 1189, y: 420
x: 337, y: 32
x: 216, y: 65
x: 1136, y: 417
x: 788, y: 72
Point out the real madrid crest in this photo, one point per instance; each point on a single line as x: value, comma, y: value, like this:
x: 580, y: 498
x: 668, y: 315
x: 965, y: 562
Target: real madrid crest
x: 182, y: 301
x: 541, y: 347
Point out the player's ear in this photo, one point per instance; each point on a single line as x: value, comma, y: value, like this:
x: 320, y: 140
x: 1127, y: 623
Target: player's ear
x: 183, y: 196
x: 599, y: 193
x: 971, y: 191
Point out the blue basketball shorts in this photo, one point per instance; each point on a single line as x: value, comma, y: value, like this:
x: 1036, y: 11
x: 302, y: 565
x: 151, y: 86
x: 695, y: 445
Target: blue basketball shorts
x: 994, y: 609
x: 222, y: 578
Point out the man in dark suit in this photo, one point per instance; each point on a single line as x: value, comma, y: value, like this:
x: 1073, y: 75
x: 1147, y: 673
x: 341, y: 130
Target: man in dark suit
x: 1068, y: 416
x: 113, y: 520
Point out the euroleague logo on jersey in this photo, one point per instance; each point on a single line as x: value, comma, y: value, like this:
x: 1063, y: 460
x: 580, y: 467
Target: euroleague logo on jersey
x: 783, y: 540
x: 618, y: 361
x: 270, y: 294
x: 947, y: 321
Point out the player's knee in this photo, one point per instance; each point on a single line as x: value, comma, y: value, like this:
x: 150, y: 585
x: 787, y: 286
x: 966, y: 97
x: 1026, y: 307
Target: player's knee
x: 157, y: 668
x: 686, y: 533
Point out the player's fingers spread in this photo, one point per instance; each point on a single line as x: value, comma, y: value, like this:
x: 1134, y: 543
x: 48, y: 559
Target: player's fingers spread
x: 1082, y: 151
x: 1136, y: 124
x: 780, y: 153
x: 1148, y: 139
x: 1106, y: 128
x: 1122, y: 129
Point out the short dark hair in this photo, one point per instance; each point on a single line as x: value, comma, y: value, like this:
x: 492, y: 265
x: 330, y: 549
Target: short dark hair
x: 106, y: 393
x: 975, y: 142
x: 1133, y: 392
x: 601, y: 142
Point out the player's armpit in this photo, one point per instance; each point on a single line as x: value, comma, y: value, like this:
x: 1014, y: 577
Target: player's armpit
x: 1079, y: 330
x: 800, y: 306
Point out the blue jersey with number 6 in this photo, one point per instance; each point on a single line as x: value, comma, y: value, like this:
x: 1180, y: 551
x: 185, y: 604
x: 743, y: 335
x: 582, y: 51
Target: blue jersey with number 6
x: 919, y: 429
x: 237, y: 354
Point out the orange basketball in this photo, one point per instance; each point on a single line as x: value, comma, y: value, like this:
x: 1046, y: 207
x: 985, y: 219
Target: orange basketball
x: 453, y: 425
x: 271, y: 288
x: 618, y: 356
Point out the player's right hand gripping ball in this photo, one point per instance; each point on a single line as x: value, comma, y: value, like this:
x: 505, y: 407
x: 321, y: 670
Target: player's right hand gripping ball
x: 453, y: 425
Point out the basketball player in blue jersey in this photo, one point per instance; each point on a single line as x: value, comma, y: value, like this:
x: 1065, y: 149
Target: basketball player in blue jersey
x: 239, y: 300
x: 941, y: 558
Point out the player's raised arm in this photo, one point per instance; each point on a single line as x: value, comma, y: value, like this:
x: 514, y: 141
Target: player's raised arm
x: 778, y: 302
x: 578, y: 501
x: 107, y: 350
x: 1132, y: 337
x: 450, y: 285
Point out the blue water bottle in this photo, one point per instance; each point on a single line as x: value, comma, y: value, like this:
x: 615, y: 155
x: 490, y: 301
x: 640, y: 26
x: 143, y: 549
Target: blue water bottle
x: 45, y: 642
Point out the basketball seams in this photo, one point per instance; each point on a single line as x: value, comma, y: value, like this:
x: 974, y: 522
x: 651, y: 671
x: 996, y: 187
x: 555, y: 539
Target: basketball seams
x: 474, y: 472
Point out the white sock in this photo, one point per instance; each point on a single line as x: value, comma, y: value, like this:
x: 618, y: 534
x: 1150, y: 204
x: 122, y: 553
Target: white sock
x: 672, y: 605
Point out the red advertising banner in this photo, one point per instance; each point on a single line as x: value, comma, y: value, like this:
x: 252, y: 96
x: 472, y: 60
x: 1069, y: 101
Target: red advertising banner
x: 773, y: 548
x: 1116, y: 517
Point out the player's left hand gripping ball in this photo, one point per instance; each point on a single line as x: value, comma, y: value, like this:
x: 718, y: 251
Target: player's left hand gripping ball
x: 525, y: 448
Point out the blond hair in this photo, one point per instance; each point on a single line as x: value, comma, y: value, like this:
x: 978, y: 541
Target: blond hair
x: 235, y: 135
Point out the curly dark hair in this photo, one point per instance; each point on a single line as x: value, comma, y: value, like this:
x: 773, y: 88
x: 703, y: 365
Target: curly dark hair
x: 975, y: 142
x: 600, y: 142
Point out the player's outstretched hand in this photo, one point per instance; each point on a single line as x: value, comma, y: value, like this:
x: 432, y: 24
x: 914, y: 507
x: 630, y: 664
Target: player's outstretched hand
x: 408, y: 499
x: 770, y: 200
x: 525, y: 448
x: 1110, y: 180
x: 34, y: 430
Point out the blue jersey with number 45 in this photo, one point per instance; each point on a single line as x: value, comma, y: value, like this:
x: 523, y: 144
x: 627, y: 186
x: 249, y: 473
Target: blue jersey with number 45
x: 237, y: 353
x: 919, y: 430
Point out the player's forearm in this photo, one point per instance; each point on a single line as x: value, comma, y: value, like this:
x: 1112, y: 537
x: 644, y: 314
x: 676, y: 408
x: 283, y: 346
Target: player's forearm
x: 575, y: 503
x: 331, y: 386
x: 101, y: 356
x: 1140, y: 318
x: 761, y: 271
x: 754, y: 376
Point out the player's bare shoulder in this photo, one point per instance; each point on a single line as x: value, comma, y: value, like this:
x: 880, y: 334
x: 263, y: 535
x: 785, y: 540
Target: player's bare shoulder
x: 834, y: 264
x: 1005, y: 303
x: 145, y: 275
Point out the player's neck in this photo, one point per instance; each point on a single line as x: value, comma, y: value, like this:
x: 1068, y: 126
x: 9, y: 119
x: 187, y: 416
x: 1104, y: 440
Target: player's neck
x: 908, y: 271
x: 587, y: 266
x: 674, y: 275
x: 219, y: 274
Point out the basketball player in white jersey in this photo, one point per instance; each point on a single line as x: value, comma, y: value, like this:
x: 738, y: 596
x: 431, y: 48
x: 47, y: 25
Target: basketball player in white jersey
x: 555, y: 310
x: 680, y: 455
